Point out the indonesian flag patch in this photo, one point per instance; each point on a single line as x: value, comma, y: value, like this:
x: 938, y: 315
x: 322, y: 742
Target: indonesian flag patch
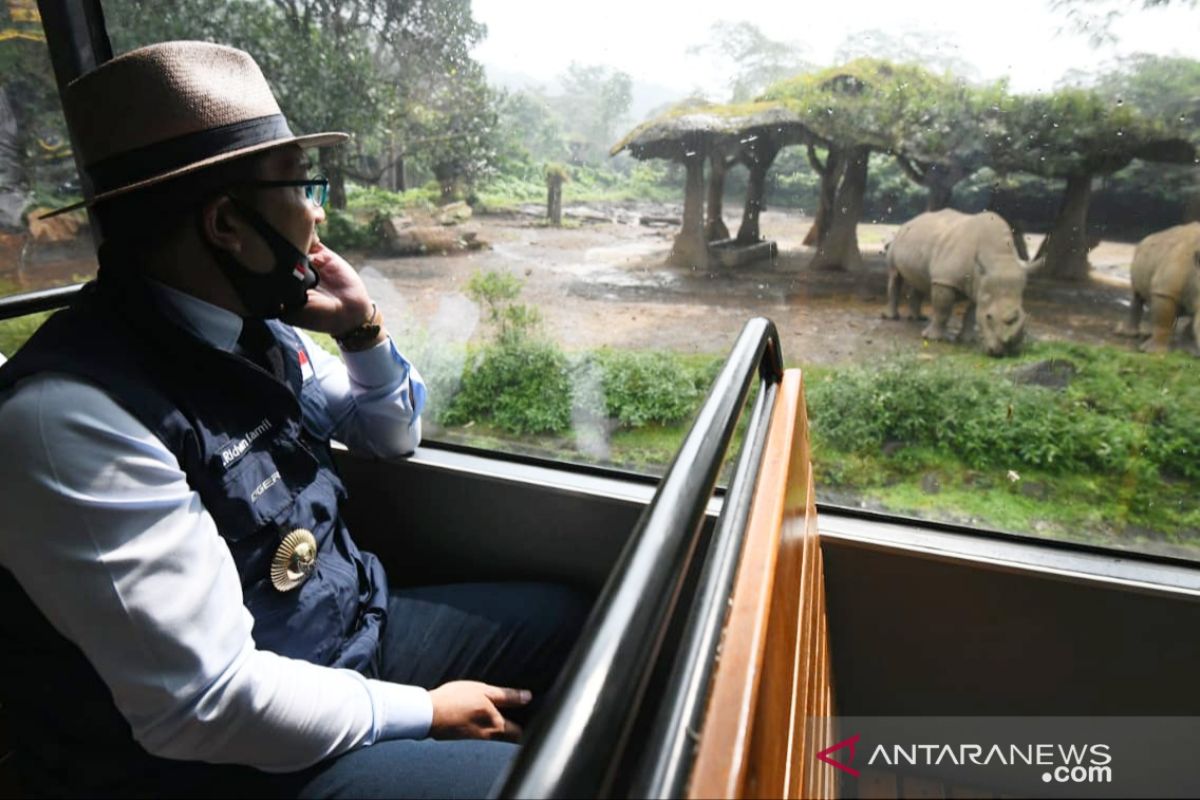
x: 306, y: 367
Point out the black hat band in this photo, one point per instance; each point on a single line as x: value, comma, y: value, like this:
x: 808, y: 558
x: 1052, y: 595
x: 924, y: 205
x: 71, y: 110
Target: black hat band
x: 135, y: 166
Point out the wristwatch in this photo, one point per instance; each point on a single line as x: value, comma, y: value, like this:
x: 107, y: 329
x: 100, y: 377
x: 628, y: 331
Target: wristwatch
x: 359, y: 337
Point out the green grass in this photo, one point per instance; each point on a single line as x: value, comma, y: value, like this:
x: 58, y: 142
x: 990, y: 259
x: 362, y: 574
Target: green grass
x: 1111, y: 458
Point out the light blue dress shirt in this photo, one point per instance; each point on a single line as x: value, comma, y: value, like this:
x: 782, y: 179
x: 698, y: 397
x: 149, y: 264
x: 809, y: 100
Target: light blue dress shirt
x: 100, y: 527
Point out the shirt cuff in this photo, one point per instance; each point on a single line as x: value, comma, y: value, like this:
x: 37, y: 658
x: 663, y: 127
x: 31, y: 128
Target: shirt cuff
x: 401, y: 712
x: 378, y: 366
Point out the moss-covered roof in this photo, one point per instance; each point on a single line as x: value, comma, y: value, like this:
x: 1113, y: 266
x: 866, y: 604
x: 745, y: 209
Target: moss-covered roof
x: 692, y: 126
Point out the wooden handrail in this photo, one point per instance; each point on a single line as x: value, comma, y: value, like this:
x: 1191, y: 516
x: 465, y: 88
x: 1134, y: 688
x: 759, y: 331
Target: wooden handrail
x: 774, y: 676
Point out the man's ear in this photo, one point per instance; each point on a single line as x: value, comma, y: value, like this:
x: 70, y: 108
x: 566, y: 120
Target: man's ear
x: 220, y: 224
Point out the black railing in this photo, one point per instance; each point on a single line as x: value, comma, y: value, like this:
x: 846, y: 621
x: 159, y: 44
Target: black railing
x: 580, y: 746
x: 33, y: 302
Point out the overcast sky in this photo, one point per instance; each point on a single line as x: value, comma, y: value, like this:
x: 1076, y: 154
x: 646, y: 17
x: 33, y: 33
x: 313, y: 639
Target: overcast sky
x: 649, y: 38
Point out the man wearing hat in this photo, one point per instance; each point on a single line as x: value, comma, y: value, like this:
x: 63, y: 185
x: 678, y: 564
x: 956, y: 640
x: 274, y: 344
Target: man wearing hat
x: 185, y: 610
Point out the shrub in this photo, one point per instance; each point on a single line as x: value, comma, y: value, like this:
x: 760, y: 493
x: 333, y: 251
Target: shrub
x: 522, y: 386
x: 343, y: 232
x: 640, y: 388
x: 15, y: 332
x: 1120, y: 414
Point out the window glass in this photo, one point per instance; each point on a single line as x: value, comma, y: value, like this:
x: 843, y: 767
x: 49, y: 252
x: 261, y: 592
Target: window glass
x: 37, y: 173
x: 567, y: 213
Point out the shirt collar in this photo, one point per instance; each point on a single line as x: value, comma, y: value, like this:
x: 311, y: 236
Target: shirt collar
x: 211, y: 324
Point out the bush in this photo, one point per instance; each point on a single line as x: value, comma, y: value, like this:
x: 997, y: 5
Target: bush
x: 1121, y: 413
x: 641, y: 388
x: 342, y: 232
x: 15, y: 332
x: 522, y: 386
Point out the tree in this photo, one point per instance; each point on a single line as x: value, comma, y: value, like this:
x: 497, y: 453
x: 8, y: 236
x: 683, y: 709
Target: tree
x: 943, y: 139
x: 530, y: 129
x: 35, y: 153
x: 354, y: 65
x: 1076, y: 135
x: 852, y: 110
x: 458, y: 118
x: 931, y: 49
x: 592, y: 107
x: 1161, y: 87
x: 753, y: 60
x: 1095, y: 18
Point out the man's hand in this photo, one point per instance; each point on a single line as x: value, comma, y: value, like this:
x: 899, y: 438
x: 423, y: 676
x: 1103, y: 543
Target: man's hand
x: 472, y: 710
x: 340, y: 302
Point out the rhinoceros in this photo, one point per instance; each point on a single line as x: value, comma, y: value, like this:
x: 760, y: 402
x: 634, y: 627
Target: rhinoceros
x: 949, y: 256
x: 1166, y: 274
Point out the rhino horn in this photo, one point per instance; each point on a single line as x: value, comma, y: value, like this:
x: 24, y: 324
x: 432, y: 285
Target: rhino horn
x: 1036, y: 264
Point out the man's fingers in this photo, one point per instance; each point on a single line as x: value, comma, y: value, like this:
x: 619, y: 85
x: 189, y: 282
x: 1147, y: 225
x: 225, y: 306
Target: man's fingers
x: 507, y: 698
x: 511, y: 733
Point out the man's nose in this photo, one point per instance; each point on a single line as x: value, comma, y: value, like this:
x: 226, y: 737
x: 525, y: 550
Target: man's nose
x: 318, y: 213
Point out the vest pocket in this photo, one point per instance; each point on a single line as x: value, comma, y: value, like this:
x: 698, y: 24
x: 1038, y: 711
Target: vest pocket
x: 254, y: 493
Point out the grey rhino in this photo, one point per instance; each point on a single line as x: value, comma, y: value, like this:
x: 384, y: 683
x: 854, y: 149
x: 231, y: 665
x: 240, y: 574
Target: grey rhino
x: 1166, y: 274
x: 948, y: 256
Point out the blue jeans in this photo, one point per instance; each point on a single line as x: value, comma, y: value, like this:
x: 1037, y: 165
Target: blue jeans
x: 507, y: 634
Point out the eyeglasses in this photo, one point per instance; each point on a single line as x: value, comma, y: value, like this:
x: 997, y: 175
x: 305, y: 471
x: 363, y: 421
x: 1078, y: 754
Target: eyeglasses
x: 315, y: 189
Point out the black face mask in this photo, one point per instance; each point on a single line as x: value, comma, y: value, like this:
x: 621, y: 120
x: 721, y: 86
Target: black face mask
x: 274, y: 294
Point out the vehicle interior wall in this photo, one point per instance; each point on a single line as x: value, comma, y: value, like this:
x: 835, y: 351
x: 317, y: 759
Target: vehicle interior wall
x: 915, y: 635
x: 442, y: 516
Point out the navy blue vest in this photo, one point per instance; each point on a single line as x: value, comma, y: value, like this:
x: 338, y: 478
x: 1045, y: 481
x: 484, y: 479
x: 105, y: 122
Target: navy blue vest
x: 254, y: 447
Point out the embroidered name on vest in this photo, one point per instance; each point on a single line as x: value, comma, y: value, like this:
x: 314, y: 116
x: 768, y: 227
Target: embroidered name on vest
x: 262, y: 487
x: 237, y: 449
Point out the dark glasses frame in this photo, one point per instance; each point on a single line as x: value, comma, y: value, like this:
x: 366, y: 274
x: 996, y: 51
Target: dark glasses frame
x: 316, y: 190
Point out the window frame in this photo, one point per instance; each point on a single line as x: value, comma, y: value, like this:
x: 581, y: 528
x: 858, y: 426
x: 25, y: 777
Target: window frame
x: 78, y: 41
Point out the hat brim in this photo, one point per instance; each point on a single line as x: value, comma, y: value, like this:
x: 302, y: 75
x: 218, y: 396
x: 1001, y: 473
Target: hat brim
x: 310, y: 140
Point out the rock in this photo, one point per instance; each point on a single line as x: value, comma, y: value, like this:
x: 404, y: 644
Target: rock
x: 1053, y: 373
x: 660, y: 222
x: 892, y: 447
x: 453, y: 214
x: 62, y: 228
x: 930, y: 484
x: 437, y: 239
x: 398, y: 230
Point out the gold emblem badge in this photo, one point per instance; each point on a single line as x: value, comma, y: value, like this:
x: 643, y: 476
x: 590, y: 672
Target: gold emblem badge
x: 294, y: 561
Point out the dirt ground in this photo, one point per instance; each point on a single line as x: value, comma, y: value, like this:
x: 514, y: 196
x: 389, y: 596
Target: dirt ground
x: 607, y: 283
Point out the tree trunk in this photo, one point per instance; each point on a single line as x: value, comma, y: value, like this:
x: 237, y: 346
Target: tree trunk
x: 450, y: 182
x: 760, y: 157
x: 691, y: 248
x: 714, y: 227
x: 839, y: 250
x: 831, y: 173
x: 554, y: 184
x: 1066, y: 246
x: 940, y: 194
x: 401, y: 174
x: 331, y: 166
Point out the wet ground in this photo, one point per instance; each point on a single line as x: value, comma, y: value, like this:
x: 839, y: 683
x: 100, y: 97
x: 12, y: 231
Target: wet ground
x: 607, y: 283
x: 601, y: 283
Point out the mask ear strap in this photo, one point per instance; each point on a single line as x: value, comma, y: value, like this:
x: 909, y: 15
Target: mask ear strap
x: 280, y: 246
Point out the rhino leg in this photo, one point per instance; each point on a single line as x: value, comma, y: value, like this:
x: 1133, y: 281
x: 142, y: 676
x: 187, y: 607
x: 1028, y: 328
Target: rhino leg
x: 1196, y: 331
x: 1133, y: 326
x: 895, y: 286
x: 942, y: 298
x: 1162, y: 320
x: 914, y: 304
x: 967, y: 333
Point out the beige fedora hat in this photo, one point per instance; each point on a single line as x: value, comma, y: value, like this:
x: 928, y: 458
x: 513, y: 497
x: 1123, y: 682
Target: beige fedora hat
x: 170, y: 109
